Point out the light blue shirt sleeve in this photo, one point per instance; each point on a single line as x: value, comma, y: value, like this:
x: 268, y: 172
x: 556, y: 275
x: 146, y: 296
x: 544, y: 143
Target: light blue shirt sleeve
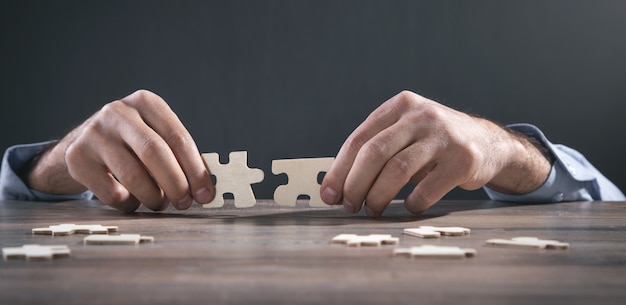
x: 572, y: 177
x: 11, y: 185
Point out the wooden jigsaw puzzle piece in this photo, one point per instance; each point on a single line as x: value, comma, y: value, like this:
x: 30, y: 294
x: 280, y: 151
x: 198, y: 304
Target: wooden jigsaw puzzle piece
x: 235, y: 178
x: 529, y: 242
x: 376, y: 240
x: 302, y: 180
x: 122, y: 239
x: 35, y: 252
x: 70, y: 228
x: 421, y: 232
x: 434, y: 232
x: 435, y: 251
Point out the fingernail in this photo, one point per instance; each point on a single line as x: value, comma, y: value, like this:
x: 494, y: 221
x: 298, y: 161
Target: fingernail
x: 165, y: 204
x: 369, y: 212
x: 203, y: 195
x: 348, y: 206
x: 329, y: 196
x: 184, y: 203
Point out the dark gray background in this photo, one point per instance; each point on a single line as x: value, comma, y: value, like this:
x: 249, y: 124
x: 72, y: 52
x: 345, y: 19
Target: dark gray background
x: 285, y: 79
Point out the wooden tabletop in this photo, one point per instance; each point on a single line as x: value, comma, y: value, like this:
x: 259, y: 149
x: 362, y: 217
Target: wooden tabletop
x: 277, y: 255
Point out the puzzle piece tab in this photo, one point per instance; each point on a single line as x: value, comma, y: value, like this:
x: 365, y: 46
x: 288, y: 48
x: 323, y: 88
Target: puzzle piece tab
x: 529, y: 242
x: 376, y: 240
x: 435, y: 251
x: 35, y: 252
x: 122, y: 239
x: 302, y: 180
x: 69, y: 228
x: 235, y: 178
x: 434, y: 232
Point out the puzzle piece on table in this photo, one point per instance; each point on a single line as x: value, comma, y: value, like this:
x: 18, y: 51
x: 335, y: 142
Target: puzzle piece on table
x: 235, y: 178
x: 434, y: 232
x: 529, y: 242
x: 353, y: 240
x: 36, y: 252
x: 302, y: 180
x: 122, y: 239
x: 435, y: 251
x: 70, y: 228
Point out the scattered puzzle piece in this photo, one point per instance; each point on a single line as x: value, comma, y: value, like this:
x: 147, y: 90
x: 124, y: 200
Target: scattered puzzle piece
x: 36, y: 252
x: 69, y: 228
x: 530, y: 242
x: 434, y: 232
x: 122, y: 239
x: 353, y: 240
x: 435, y: 251
x: 302, y: 180
x: 234, y: 178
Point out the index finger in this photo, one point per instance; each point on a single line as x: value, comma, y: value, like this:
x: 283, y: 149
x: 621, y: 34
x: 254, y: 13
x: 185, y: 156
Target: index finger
x: 380, y: 119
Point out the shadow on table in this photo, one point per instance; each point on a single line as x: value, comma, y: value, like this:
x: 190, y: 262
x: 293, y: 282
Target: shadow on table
x: 268, y: 213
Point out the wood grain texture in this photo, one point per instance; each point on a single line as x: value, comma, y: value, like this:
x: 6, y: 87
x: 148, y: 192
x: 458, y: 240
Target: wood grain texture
x: 272, y: 254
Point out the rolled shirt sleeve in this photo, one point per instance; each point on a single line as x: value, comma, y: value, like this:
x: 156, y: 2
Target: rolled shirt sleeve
x: 11, y: 185
x: 572, y: 177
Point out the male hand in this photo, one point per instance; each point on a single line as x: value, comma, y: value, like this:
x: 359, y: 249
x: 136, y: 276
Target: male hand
x: 411, y: 139
x: 134, y: 150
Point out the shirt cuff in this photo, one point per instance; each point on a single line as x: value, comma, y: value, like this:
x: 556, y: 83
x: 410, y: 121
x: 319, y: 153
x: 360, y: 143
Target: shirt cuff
x: 11, y: 185
x: 571, y: 178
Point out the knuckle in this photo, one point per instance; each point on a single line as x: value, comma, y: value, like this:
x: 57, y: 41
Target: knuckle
x: 143, y: 98
x: 374, y: 151
x: 406, y: 98
x: 397, y: 105
x: 399, y: 167
x: 143, y: 95
x: 432, y: 113
x: 149, y: 149
x: 112, y: 109
x: 180, y: 140
x: 354, y: 143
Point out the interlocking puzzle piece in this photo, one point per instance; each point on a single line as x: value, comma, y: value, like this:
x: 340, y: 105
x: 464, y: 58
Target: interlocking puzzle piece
x: 302, y: 180
x: 235, y: 178
x: 36, y: 252
x: 70, y: 228
x: 353, y: 240
x: 435, y: 251
x: 434, y: 232
x: 529, y: 242
x: 122, y: 239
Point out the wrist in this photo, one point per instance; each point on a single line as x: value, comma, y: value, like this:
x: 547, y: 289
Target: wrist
x: 525, y: 168
x: 24, y: 172
x: 47, y: 173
